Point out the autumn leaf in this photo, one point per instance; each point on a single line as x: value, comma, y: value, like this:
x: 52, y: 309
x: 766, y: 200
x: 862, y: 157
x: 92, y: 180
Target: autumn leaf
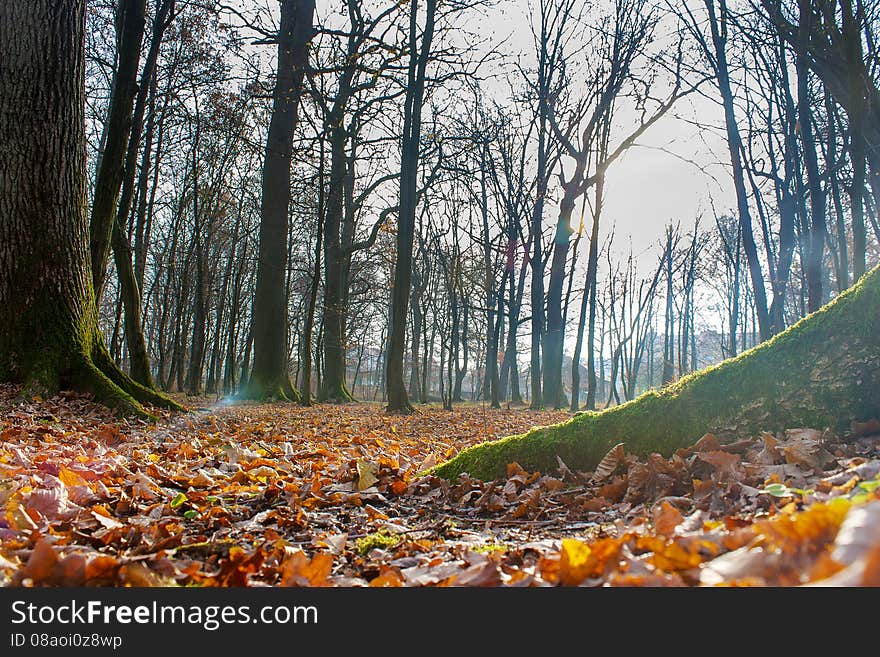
x: 609, y: 463
x: 666, y: 519
x: 366, y: 474
x: 226, y: 497
x: 299, y: 570
x: 574, y: 562
x: 387, y: 578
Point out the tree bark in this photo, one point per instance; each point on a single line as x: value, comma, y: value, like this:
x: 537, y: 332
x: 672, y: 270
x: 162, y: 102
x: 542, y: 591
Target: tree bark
x: 588, y: 304
x: 269, y: 376
x: 305, y: 390
x: 816, y: 227
x: 406, y: 217
x: 333, y: 386
x: 108, y: 179
x: 139, y: 362
x: 49, y: 336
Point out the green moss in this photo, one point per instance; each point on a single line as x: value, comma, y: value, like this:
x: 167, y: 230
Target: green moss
x: 336, y: 393
x: 269, y: 391
x: 490, y: 548
x: 380, y: 539
x: 822, y: 372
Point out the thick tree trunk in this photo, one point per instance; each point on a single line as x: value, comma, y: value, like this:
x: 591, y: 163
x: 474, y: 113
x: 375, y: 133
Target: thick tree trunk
x: 822, y: 372
x: 49, y: 336
x: 269, y: 377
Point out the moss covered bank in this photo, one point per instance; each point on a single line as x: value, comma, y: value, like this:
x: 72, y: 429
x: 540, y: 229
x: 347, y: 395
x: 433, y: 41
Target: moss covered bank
x: 822, y: 372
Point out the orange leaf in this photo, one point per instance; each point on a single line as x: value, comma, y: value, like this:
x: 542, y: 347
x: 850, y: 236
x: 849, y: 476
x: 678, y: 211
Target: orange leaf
x: 298, y: 570
x: 666, y: 519
x: 388, y: 578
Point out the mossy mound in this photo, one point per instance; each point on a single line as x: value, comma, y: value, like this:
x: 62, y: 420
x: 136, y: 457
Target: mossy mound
x: 822, y: 372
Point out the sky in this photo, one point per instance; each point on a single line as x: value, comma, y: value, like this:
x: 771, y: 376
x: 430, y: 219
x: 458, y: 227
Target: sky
x: 675, y: 173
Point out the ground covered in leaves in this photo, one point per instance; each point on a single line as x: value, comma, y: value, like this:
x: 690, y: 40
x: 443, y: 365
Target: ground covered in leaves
x: 257, y: 495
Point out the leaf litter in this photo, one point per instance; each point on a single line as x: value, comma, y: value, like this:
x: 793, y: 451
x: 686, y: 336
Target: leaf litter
x: 280, y: 495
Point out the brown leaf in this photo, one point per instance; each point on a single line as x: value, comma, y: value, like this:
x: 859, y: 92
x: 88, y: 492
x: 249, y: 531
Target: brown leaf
x: 740, y: 564
x: 725, y: 464
x: 428, y: 575
x: 708, y: 443
x: 564, y: 470
x: 654, y: 479
x: 481, y: 574
x: 614, y: 490
x: 51, y: 500
x: 770, y: 453
x: 42, y: 565
x: 666, y: 519
x: 615, y: 456
x: 366, y: 474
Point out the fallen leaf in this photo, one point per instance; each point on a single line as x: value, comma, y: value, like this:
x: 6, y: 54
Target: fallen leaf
x: 666, y: 519
x: 609, y: 463
x: 366, y: 471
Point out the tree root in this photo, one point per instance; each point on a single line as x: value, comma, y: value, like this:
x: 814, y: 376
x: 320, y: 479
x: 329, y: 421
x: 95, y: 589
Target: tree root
x: 89, y: 378
x: 144, y: 395
x: 823, y: 371
x: 278, y: 391
x: 337, y: 395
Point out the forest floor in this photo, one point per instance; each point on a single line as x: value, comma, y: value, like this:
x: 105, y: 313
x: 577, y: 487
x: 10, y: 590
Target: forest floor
x: 255, y: 495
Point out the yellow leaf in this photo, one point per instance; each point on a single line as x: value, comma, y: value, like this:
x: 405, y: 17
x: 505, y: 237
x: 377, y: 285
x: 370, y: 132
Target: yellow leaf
x: 575, y: 563
x: 366, y: 474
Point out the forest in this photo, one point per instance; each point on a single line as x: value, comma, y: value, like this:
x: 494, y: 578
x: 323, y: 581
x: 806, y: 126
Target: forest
x: 439, y: 293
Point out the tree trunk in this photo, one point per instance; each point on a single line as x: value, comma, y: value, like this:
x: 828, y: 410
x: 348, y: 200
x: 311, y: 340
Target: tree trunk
x: 734, y: 141
x: 201, y: 244
x: 305, y: 390
x: 461, y: 345
x: 816, y: 227
x: 269, y: 377
x: 588, y: 303
x: 415, y: 337
x: 406, y: 215
x: 822, y: 372
x: 139, y: 361
x: 108, y: 179
x: 333, y: 387
x: 49, y: 336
